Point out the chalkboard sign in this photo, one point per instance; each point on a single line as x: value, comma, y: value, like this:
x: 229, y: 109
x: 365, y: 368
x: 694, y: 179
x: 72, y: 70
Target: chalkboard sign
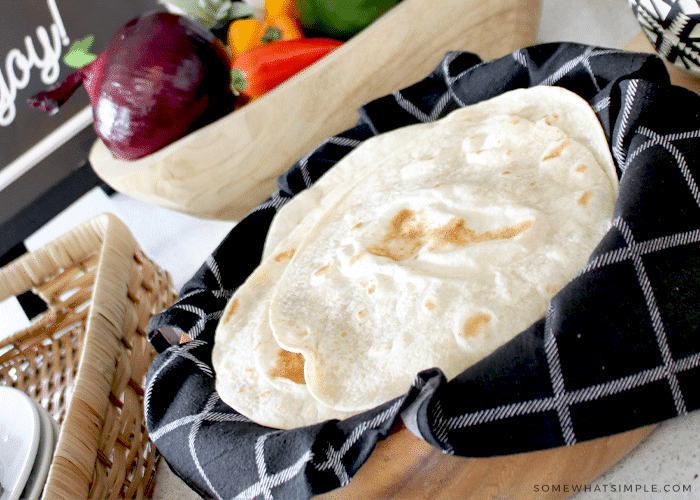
x: 37, y: 36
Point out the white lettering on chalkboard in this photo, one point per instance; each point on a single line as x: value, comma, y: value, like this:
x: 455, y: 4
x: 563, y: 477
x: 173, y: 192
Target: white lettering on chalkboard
x: 18, y: 64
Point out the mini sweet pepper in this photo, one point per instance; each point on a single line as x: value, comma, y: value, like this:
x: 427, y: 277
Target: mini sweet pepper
x: 280, y: 23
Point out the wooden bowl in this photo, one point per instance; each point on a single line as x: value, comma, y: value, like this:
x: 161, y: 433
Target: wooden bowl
x: 225, y: 169
x: 404, y: 467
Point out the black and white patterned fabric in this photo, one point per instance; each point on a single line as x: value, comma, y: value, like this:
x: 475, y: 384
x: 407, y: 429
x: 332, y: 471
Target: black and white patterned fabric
x: 618, y: 349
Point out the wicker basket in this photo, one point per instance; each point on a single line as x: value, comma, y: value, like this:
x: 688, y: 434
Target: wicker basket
x: 86, y: 357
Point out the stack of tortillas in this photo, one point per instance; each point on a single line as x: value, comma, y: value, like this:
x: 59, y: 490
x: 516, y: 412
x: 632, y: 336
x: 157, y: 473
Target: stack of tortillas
x: 429, y: 246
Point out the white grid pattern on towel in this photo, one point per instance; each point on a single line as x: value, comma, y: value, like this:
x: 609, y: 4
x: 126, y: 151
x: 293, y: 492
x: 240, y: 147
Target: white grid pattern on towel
x: 334, y: 457
x: 263, y: 488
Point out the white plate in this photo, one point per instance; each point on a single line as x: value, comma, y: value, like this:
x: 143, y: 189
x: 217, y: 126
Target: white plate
x: 42, y: 464
x: 19, y: 440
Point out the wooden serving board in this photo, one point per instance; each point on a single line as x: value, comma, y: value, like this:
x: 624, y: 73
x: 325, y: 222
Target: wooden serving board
x: 225, y: 169
x: 404, y: 467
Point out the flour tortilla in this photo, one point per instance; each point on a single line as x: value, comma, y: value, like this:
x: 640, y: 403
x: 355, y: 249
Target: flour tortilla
x: 254, y: 374
x: 368, y: 323
x: 440, y: 258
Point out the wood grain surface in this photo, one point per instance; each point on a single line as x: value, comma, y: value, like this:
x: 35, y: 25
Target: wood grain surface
x: 227, y: 168
x: 404, y: 467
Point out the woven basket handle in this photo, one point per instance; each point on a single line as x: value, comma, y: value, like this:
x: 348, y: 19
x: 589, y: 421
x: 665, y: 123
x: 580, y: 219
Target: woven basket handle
x: 33, y: 268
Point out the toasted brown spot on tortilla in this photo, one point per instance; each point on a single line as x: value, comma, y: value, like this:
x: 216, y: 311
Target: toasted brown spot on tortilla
x: 505, y: 173
x: 358, y: 225
x: 402, y: 222
x: 285, y: 255
x: 430, y: 305
x: 474, y: 325
x: 557, y: 150
x: 372, y: 289
x: 233, y: 309
x: 456, y: 232
x: 552, y: 289
x: 581, y: 169
x: 407, y: 235
x: 585, y: 198
x: 257, y: 279
x: 289, y: 365
x: 323, y: 270
x: 361, y: 314
x: 514, y: 121
x: 356, y: 257
x: 551, y: 119
x: 512, y: 231
x: 509, y: 152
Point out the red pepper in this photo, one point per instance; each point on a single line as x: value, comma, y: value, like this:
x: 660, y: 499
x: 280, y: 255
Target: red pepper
x: 263, y: 68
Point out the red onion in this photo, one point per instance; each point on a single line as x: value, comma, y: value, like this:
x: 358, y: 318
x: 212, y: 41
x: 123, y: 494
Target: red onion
x: 160, y: 77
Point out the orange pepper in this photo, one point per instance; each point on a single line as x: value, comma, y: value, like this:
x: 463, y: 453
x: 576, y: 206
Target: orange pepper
x: 284, y: 27
x: 279, y: 8
x: 243, y: 35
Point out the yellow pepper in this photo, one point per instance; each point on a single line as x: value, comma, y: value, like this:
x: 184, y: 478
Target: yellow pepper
x: 243, y: 35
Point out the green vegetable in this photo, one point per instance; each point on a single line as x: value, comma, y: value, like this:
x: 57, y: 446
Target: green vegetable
x: 341, y: 19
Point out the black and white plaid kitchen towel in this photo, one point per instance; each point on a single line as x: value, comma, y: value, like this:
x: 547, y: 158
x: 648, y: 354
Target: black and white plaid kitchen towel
x: 618, y: 349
